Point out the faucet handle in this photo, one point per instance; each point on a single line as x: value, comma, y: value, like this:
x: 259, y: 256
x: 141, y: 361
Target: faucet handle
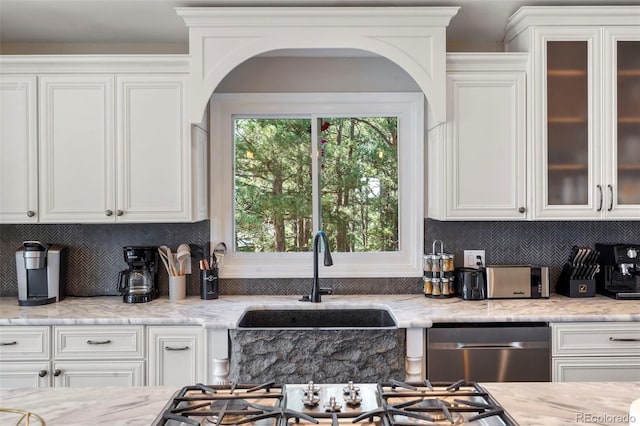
x: 326, y: 290
x: 305, y: 298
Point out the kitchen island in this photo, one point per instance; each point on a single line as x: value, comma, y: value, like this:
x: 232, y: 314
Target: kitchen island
x: 543, y: 404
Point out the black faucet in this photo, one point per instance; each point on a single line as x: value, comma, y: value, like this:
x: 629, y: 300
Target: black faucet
x: 316, y: 291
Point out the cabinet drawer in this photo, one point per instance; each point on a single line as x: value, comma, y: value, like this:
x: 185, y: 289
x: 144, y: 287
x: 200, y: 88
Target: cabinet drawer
x: 19, y: 343
x: 86, y: 342
x: 596, y: 339
x: 596, y: 369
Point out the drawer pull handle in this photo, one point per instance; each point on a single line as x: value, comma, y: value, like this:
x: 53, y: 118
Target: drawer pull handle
x: 622, y: 339
x: 98, y: 342
x: 9, y: 343
x: 171, y: 348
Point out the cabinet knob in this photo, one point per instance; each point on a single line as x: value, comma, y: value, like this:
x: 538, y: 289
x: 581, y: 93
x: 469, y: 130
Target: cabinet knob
x: 31, y: 213
x: 42, y: 373
x: 119, y: 212
x: 108, y: 212
x: 522, y: 210
x: 57, y: 372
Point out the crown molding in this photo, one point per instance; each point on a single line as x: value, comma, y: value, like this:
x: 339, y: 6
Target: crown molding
x: 100, y: 64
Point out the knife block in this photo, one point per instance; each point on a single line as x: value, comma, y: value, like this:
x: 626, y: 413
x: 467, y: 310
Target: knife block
x: 574, y: 287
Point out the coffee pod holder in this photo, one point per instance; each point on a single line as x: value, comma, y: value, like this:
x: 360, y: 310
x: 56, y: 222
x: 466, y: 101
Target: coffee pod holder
x: 439, y: 273
x: 577, y: 278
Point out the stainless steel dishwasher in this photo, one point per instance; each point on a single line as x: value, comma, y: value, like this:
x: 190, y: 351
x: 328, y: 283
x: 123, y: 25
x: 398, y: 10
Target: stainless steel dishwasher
x: 489, y: 352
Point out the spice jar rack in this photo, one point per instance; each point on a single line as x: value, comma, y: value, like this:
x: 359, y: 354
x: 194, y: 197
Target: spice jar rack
x: 439, y: 273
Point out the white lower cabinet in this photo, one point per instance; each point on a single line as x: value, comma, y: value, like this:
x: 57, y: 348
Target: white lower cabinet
x: 98, y: 373
x: 596, y: 352
x: 42, y: 356
x: 25, y: 353
x: 100, y: 355
x: 176, y: 355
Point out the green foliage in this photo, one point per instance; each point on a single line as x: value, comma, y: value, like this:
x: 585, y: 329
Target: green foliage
x: 359, y: 181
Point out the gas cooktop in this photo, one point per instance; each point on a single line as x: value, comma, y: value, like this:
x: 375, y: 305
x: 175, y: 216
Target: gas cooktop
x: 391, y: 403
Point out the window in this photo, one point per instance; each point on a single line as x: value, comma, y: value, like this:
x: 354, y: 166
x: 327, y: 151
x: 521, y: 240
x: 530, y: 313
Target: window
x: 286, y: 165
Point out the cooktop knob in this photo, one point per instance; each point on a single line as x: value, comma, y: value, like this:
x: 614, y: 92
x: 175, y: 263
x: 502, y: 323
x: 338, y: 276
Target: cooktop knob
x: 632, y: 253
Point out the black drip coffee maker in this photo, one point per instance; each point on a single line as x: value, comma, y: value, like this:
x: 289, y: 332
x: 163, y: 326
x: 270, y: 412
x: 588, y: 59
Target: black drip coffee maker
x: 139, y: 283
x: 619, y: 276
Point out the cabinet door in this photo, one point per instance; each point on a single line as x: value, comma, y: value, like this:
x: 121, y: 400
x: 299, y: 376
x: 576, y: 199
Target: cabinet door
x: 176, y: 356
x: 154, y: 149
x: 76, y: 149
x: 18, y: 150
x: 486, y: 155
x: 25, y: 375
x: 596, y: 369
x: 567, y: 123
x: 622, y: 132
x: 105, y: 372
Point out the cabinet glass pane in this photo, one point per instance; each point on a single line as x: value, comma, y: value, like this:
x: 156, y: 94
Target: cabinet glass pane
x: 567, y: 123
x: 628, y: 93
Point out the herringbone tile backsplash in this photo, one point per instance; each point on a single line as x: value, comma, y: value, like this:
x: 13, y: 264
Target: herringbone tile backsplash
x: 537, y: 243
x: 95, y: 252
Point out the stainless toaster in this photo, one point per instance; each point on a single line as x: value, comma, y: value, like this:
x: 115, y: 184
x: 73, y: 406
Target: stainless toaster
x: 517, y: 282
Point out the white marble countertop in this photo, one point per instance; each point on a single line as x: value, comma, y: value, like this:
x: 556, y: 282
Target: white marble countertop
x: 409, y: 310
x: 531, y: 404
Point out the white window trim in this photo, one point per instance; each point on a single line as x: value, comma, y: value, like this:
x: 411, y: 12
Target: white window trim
x: 408, y: 107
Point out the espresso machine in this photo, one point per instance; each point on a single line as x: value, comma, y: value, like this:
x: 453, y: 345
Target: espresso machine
x: 41, y: 272
x: 139, y: 283
x: 619, y: 275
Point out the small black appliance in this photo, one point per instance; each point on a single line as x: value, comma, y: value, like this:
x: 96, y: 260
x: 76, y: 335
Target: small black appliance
x: 139, y: 283
x: 619, y: 275
x: 471, y: 283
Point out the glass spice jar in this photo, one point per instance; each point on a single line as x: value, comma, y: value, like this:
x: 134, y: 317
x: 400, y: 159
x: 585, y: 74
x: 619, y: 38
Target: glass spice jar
x: 427, y: 263
x: 436, y: 263
x: 428, y: 286
x: 437, y: 290
x: 445, y: 263
x: 445, y: 286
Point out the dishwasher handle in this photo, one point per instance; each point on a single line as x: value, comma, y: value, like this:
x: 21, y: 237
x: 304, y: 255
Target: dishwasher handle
x: 509, y: 345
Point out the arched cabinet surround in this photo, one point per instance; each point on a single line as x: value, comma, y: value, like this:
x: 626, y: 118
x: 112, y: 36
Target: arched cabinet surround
x: 221, y: 38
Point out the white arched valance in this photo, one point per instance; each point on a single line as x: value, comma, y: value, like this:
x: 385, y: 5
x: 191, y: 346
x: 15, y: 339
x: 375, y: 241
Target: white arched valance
x: 221, y: 38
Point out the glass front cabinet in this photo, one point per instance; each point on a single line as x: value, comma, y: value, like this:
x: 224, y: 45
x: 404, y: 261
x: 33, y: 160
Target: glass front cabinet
x: 584, y: 137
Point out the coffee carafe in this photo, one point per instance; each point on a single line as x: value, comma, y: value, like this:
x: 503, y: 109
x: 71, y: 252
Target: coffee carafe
x: 41, y: 270
x: 138, y: 283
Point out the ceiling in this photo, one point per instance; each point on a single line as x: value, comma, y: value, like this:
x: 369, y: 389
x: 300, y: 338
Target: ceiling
x: 155, y: 21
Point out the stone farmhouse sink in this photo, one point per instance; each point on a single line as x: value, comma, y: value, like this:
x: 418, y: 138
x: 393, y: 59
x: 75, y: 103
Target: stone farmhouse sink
x: 316, y: 319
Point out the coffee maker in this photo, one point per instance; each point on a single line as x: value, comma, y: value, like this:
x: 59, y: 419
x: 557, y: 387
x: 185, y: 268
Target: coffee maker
x: 41, y: 272
x: 139, y: 283
x: 619, y: 276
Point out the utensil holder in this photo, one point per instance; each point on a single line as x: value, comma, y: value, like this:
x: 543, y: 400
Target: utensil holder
x: 177, y: 287
x: 209, y: 284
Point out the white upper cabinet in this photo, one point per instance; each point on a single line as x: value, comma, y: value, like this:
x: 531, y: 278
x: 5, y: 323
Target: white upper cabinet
x: 476, y: 162
x: 18, y: 149
x: 76, y: 117
x: 154, y: 149
x: 585, y: 114
x: 114, y: 144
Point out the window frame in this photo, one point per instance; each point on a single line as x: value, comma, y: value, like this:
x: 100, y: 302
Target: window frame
x: 407, y: 106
